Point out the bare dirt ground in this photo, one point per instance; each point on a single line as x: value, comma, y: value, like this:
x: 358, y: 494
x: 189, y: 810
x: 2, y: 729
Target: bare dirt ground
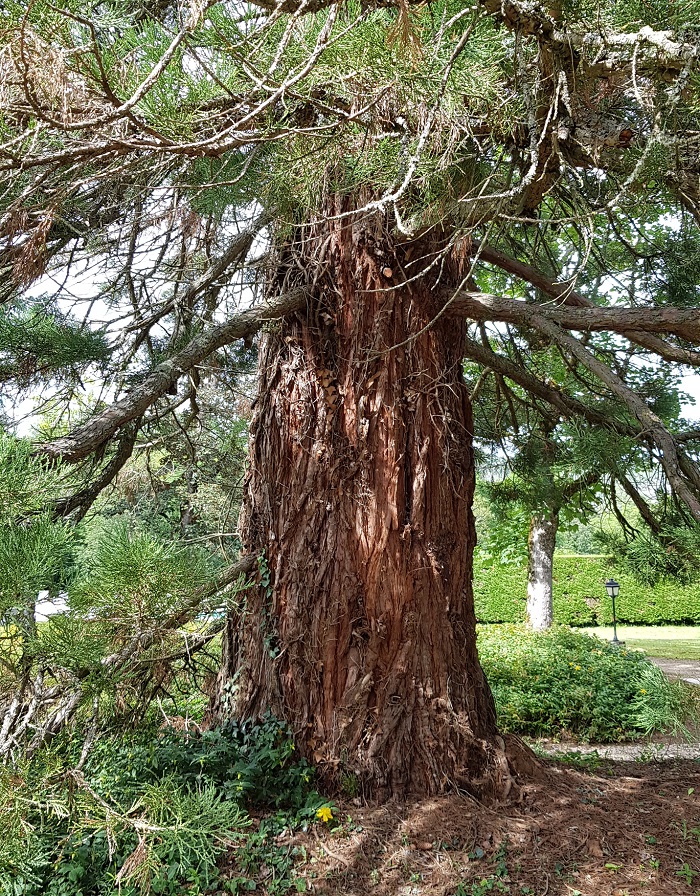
x: 605, y: 820
x: 628, y: 829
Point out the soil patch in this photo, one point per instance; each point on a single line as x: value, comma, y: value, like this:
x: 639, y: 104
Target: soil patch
x: 627, y: 829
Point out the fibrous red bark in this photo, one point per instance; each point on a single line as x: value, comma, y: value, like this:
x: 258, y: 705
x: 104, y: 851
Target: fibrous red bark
x: 359, y: 500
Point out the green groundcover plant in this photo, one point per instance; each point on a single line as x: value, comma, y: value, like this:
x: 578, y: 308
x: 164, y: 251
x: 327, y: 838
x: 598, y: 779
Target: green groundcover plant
x: 562, y: 682
x: 155, y: 812
x: 171, y: 812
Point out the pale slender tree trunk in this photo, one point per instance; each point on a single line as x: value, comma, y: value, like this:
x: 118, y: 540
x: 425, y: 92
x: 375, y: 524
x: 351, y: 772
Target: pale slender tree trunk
x: 359, y: 500
x: 541, y: 544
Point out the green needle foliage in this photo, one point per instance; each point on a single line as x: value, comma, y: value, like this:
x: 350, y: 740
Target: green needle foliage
x: 35, y: 549
x: 153, y: 813
x: 672, y: 553
x: 137, y: 609
x: 36, y: 344
x: 132, y: 576
x: 28, y: 483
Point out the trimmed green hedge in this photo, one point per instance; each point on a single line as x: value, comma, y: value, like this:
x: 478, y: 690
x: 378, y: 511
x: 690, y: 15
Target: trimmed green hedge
x: 579, y: 594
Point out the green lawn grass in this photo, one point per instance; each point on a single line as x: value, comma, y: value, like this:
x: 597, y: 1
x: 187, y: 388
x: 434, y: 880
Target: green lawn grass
x: 673, y: 642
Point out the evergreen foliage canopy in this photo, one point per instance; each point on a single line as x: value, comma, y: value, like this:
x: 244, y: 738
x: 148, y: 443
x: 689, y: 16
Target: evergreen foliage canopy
x: 151, y: 154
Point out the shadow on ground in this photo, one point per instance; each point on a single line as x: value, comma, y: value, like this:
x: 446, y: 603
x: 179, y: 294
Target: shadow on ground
x: 626, y: 830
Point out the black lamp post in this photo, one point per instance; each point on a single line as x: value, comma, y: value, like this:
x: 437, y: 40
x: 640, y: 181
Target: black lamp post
x: 613, y: 589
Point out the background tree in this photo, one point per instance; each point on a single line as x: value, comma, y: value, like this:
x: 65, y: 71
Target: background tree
x: 547, y: 461
x: 536, y: 463
x: 353, y: 166
x: 539, y: 488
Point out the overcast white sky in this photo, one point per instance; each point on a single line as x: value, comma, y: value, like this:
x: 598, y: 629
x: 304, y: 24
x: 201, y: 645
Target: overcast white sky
x: 691, y: 385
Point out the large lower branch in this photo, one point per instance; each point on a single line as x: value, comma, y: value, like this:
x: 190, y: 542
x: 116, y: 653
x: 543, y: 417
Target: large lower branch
x: 639, y: 502
x: 570, y: 297
x: 683, y: 322
x: 98, y: 430
x: 79, y: 503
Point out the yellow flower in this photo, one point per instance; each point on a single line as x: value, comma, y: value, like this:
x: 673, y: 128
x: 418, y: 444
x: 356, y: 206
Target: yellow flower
x: 324, y: 813
x: 578, y: 668
x: 642, y: 691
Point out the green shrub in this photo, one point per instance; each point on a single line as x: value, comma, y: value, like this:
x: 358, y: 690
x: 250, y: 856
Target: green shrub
x: 500, y: 593
x: 154, y: 814
x: 561, y: 681
x: 250, y: 762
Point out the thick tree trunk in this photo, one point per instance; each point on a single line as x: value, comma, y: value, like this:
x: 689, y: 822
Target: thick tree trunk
x: 359, y: 499
x: 541, y: 543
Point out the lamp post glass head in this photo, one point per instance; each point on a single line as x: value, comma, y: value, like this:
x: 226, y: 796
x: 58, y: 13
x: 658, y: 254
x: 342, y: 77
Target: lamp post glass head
x: 613, y: 589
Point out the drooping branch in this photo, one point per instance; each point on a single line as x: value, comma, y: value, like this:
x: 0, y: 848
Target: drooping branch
x: 523, y: 271
x: 572, y: 408
x: 84, y: 499
x: 644, y: 510
x: 627, y: 527
x: 99, y: 429
x: 568, y: 406
x: 652, y: 427
x: 569, y: 296
x: 689, y: 469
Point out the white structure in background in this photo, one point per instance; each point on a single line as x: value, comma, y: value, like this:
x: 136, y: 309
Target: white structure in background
x: 46, y: 606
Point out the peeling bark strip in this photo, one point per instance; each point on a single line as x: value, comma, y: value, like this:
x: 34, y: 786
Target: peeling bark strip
x: 362, y: 509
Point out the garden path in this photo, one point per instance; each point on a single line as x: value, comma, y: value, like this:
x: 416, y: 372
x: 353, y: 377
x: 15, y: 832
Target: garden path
x: 688, y: 670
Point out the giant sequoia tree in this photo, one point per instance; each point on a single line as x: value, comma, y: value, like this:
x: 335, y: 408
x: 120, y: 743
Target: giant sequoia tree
x: 335, y: 177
